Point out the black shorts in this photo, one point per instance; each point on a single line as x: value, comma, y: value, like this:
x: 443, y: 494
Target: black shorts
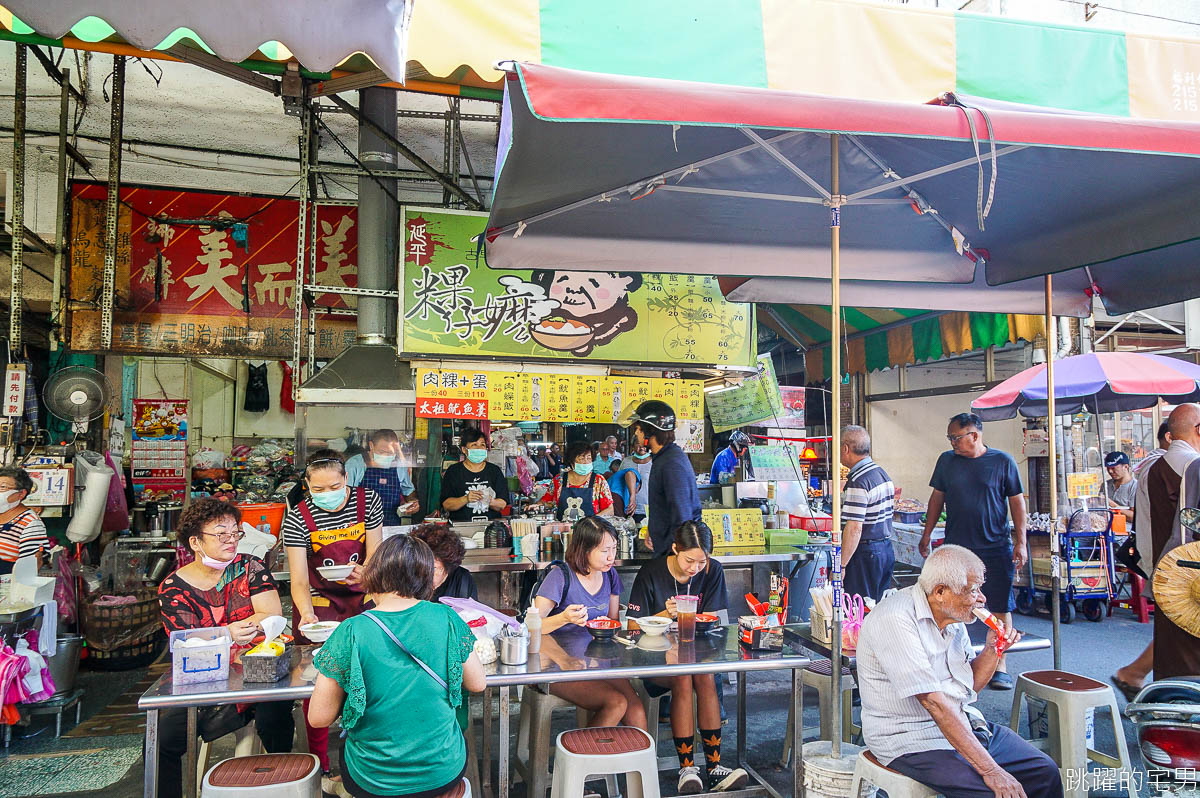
x: 998, y: 580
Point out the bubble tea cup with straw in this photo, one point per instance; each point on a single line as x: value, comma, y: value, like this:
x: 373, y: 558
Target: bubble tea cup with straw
x: 686, y: 607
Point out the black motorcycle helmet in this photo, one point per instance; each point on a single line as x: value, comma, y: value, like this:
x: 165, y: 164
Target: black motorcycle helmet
x: 656, y: 414
x: 739, y: 439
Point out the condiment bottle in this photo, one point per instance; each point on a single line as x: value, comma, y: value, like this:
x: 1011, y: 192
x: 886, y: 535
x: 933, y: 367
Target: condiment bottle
x: 533, y: 622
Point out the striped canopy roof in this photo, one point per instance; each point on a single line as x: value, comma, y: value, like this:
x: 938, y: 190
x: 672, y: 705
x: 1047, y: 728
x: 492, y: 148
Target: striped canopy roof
x: 879, y: 339
x: 836, y: 47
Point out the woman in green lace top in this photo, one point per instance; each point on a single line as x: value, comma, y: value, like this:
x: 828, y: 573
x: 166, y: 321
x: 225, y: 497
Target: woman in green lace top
x: 403, y: 736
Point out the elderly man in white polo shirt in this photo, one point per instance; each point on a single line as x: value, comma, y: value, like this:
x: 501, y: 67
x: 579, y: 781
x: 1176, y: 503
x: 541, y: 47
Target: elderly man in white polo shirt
x: 918, y: 680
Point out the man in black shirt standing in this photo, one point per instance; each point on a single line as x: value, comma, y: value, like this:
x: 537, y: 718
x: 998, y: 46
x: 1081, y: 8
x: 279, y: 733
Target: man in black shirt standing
x: 672, y: 495
x: 979, y: 487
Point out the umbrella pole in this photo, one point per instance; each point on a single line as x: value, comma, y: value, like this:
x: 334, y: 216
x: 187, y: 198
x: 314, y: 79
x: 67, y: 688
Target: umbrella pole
x: 835, y: 441
x: 1051, y: 416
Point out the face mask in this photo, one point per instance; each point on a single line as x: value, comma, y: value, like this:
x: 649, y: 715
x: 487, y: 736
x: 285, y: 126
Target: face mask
x: 7, y: 502
x: 582, y: 469
x: 330, y: 500
x: 477, y: 455
x: 218, y: 565
x: 384, y: 460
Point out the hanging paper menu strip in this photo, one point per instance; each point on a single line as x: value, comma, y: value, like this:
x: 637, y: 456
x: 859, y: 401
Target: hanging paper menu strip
x: 512, y: 396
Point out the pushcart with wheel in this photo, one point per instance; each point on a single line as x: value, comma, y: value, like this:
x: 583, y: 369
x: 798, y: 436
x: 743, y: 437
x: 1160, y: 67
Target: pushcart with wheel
x: 1088, y: 574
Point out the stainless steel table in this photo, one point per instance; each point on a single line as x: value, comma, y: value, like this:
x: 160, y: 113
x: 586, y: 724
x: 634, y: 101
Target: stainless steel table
x: 717, y: 653
x: 800, y: 636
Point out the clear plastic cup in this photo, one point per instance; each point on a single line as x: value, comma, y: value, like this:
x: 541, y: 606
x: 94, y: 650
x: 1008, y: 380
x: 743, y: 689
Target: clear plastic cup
x: 686, y: 606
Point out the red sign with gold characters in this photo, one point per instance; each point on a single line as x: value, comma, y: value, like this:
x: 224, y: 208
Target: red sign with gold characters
x: 206, y: 273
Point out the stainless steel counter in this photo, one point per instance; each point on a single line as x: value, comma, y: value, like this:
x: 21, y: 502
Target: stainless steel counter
x: 714, y: 653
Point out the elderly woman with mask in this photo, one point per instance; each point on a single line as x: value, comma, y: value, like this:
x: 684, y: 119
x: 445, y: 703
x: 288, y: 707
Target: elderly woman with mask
x: 218, y: 588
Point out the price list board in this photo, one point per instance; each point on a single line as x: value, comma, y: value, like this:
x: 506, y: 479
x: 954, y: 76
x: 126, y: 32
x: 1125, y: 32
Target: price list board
x: 777, y: 463
x: 734, y: 529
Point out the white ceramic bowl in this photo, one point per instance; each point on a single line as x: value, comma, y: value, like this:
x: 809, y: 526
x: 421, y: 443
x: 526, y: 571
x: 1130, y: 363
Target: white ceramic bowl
x: 320, y: 631
x: 335, y: 573
x: 654, y: 625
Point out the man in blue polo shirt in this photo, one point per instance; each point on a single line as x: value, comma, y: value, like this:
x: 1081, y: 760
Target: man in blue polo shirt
x: 867, y: 553
x: 980, y: 487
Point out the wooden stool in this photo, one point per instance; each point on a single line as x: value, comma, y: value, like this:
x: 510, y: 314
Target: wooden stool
x: 605, y: 750
x: 868, y: 770
x: 1068, y: 698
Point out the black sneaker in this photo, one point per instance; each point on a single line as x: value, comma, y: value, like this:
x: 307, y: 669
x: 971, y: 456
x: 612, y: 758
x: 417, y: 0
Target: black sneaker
x: 1001, y: 681
x: 723, y: 779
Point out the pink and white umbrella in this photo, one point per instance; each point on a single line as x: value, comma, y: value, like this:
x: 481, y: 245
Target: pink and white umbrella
x: 1099, y: 382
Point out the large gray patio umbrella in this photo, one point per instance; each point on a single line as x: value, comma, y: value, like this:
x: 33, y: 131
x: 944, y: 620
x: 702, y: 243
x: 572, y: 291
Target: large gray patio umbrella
x: 613, y: 173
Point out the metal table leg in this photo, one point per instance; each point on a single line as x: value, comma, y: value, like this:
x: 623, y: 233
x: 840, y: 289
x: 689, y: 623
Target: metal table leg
x: 189, y: 761
x: 741, y: 719
x: 150, y: 754
x: 797, y: 734
x: 486, y: 744
x: 502, y: 746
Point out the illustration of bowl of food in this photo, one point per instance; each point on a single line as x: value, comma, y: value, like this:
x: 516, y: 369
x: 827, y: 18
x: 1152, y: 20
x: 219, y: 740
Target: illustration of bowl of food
x: 561, y: 334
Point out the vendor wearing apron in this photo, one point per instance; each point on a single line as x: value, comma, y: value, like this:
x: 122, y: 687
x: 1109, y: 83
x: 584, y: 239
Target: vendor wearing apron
x: 578, y: 492
x: 335, y: 525
x: 376, y: 469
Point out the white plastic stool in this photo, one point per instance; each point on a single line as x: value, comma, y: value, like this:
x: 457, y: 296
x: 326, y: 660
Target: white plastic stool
x: 817, y: 675
x: 245, y: 743
x: 1068, y: 697
x: 532, y: 760
x: 264, y: 776
x: 605, y: 750
x: 868, y: 770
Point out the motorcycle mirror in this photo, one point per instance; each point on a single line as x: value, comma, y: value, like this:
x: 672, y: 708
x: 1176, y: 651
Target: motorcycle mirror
x: 1190, y: 518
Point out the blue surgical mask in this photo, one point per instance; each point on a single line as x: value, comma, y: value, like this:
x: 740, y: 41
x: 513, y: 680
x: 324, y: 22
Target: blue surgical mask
x: 384, y: 460
x: 332, y: 499
x: 582, y: 469
x: 477, y: 455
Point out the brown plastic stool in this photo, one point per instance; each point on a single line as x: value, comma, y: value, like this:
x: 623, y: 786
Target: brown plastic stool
x: 264, y: 776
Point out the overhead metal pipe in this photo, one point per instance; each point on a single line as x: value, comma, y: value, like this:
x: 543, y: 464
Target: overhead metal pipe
x: 378, y: 216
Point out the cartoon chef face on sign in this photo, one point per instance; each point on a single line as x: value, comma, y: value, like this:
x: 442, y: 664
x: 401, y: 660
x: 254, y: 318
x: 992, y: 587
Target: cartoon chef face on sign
x: 593, y: 309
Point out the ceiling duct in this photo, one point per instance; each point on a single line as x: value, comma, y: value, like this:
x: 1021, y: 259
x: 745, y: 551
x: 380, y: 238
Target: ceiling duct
x: 369, y: 372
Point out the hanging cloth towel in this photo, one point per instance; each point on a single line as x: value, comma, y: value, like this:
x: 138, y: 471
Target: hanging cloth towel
x: 286, y: 402
x: 258, y: 395
x: 46, y: 643
x: 30, y: 414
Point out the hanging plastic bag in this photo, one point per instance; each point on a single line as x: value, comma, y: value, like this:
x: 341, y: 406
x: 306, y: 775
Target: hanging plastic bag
x: 116, y: 510
x: 65, y: 593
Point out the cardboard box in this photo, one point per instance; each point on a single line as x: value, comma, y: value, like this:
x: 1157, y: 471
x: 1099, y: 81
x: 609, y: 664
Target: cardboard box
x: 1085, y: 577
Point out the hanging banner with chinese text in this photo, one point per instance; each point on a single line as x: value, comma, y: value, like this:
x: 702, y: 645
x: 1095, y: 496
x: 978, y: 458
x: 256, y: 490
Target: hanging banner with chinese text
x: 512, y: 396
x: 454, y: 304
x: 183, y: 287
x: 755, y: 401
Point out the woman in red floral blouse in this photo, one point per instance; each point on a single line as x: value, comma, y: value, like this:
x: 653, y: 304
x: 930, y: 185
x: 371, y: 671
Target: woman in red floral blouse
x: 218, y: 588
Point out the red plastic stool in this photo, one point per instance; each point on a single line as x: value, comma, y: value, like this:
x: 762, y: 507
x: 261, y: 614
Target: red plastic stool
x: 1137, y: 602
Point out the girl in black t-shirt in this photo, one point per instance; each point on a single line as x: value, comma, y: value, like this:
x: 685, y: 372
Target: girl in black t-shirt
x: 688, y: 568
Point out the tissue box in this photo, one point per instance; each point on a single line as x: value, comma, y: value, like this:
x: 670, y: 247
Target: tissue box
x: 204, y: 662
x: 35, y: 591
x: 267, y: 668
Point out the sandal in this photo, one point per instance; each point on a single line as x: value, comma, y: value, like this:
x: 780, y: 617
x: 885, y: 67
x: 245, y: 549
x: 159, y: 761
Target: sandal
x: 1128, y: 690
